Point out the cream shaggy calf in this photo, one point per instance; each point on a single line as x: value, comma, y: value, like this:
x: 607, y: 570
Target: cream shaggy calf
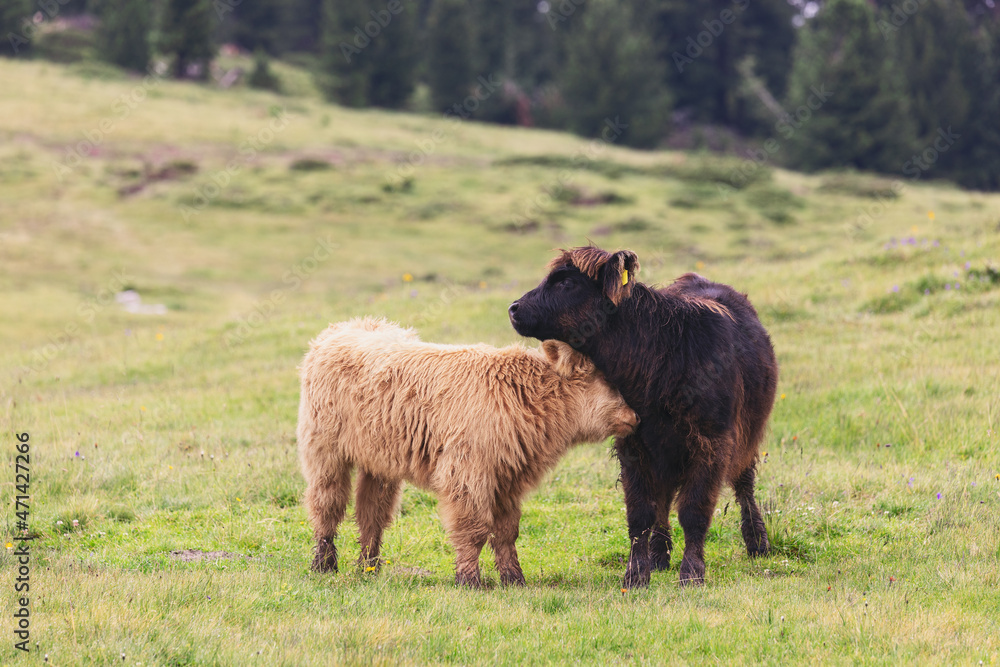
x: 477, y: 425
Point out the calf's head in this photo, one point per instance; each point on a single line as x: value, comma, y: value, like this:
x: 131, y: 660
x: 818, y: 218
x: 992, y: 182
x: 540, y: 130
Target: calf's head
x: 601, y: 410
x: 584, y: 287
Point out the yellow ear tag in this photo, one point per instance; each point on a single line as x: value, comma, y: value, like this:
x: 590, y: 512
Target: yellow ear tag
x: 624, y: 277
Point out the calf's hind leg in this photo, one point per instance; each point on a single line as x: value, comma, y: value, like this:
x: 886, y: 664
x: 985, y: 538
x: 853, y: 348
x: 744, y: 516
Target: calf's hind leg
x: 506, y: 526
x: 468, y: 533
x: 695, y: 504
x: 751, y: 521
x: 326, y: 502
x: 377, y: 501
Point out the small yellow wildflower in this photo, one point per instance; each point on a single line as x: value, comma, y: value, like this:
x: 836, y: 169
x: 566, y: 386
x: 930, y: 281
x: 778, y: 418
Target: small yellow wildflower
x: 370, y: 568
x: 159, y: 336
x: 783, y: 396
x: 238, y: 500
x: 170, y: 467
x: 142, y: 407
x: 407, y: 278
x: 482, y: 284
x: 9, y: 545
x: 698, y: 265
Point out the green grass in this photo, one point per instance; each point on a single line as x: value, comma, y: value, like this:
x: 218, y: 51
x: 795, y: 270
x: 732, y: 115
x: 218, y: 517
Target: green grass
x: 185, y: 422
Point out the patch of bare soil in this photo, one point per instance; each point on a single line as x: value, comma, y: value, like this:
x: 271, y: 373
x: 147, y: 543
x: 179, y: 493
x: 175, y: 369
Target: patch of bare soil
x: 189, y: 555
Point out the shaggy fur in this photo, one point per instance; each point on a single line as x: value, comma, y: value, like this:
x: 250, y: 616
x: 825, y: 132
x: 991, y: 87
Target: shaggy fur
x: 477, y: 425
x: 694, y: 362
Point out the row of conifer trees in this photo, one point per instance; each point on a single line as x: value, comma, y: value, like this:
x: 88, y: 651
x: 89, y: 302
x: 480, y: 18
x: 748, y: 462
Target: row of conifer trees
x: 898, y: 86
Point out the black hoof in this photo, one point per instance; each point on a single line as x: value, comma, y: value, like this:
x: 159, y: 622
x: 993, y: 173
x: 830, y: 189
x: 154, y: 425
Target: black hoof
x: 660, y: 562
x: 636, y: 576
x: 692, y: 573
x: 758, y: 546
x: 326, y: 556
x: 469, y: 580
x: 512, y: 579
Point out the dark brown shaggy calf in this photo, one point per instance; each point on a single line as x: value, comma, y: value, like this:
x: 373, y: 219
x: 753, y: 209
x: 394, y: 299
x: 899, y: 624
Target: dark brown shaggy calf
x: 695, y: 363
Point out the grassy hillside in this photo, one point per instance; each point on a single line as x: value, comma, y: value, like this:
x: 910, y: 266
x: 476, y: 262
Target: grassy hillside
x: 256, y: 219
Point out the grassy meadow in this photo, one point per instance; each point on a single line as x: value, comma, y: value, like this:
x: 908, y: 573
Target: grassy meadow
x: 256, y: 219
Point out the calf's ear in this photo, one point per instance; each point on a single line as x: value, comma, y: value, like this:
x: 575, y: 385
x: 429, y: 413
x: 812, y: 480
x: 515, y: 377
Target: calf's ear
x: 565, y: 360
x: 619, y: 275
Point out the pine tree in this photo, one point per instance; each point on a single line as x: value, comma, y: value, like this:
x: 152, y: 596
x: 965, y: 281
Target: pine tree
x: 258, y: 23
x: 952, y: 86
x: 533, y: 48
x: 14, y: 14
x: 933, y: 46
x: 449, y: 58
x: 978, y: 151
x: 702, y: 45
x: 691, y: 69
x: 393, y: 58
x: 494, y: 55
x: 514, y: 42
x: 764, y: 33
x: 494, y: 44
x: 301, y: 26
x: 343, y: 75
x: 846, y: 103
x: 123, y: 37
x: 612, y: 77
x: 369, y: 53
x: 187, y: 34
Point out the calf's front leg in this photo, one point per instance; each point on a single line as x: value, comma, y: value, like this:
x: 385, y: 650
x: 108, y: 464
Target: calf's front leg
x: 640, y: 511
x: 660, y: 539
x: 326, y: 500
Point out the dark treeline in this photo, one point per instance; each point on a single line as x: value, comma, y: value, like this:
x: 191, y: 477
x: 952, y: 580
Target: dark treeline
x: 897, y: 86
